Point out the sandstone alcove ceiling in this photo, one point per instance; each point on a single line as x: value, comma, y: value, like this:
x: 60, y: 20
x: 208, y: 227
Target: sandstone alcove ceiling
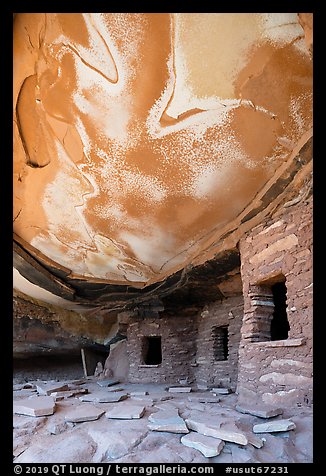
x: 146, y: 145
x: 162, y: 246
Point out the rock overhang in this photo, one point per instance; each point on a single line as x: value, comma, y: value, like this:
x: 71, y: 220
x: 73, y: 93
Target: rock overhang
x: 142, y: 150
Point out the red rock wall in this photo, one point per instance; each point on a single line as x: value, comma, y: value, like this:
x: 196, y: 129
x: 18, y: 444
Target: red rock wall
x: 278, y: 372
x: 36, y: 331
x: 40, y: 327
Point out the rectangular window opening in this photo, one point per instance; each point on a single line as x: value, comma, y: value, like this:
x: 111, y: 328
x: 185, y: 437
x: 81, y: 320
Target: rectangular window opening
x: 279, y: 325
x: 152, y: 350
x: 269, y: 321
x: 221, y: 342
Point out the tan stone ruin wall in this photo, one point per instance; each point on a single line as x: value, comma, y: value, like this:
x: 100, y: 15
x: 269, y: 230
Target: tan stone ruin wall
x: 178, y: 338
x: 209, y: 370
x: 280, y: 375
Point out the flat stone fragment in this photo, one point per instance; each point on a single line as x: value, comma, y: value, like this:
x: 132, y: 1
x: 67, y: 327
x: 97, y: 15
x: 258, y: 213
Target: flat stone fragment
x: 179, y: 389
x: 159, y: 398
x: 79, y: 381
x: 103, y: 397
x: 167, y: 420
x: 203, y: 399
x: 126, y: 412
x: 48, y: 388
x: 137, y: 394
x: 221, y: 391
x: 23, y: 386
x: 83, y: 413
x: 112, y: 397
x: 145, y: 400
x: 206, y: 426
x: 35, y: 406
x: 274, y: 426
x: 107, y: 382
x: 261, y: 411
x: 254, y: 440
x: 62, y: 395
x: 202, y: 387
x: 114, y: 389
x: 68, y: 393
x: 25, y: 392
x: 207, y: 445
x: 57, y: 399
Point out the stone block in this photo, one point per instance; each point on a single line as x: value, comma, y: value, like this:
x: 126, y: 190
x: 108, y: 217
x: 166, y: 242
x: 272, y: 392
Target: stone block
x: 207, y: 445
x: 107, y: 382
x: 262, y: 411
x: 126, y: 411
x: 274, y: 426
x: 179, y: 389
x: 35, y: 406
x: 221, y: 391
x: 207, y: 426
x: 167, y: 420
x: 50, y: 387
x: 83, y: 413
x: 104, y: 397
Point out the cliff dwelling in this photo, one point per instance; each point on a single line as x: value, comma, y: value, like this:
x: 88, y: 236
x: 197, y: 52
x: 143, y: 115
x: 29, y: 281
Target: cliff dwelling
x: 162, y: 303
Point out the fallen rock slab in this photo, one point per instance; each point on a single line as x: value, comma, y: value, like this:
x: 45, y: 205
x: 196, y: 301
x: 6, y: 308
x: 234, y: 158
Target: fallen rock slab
x: 274, y: 426
x: 104, y: 397
x: 48, y: 388
x: 179, y: 389
x: 126, y: 412
x: 207, y: 445
x: 160, y: 398
x: 114, y: 389
x: 254, y: 440
x: 221, y: 391
x: 202, y: 387
x: 224, y: 431
x: 167, y: 420
x: 79, y: 381
x: 145, y: 400
x: 35, y: 406
x: 25, y: 392
x: 137, y: 394
x: 69, y: 393
x: 83, y: 413
x: 62, y: 395
x: 261, y: 411
x: 107, y: 382
x: 23, y: 386
x: 203, y: 399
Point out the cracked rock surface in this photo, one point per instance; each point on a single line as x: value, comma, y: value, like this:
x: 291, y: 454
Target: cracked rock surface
x: 53, y: 439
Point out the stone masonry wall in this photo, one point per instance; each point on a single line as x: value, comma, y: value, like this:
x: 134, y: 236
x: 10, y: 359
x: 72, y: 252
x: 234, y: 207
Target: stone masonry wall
x: 178, y: 338
x: 209, y: 371
x: 188, y: 346
x: 278, y: 372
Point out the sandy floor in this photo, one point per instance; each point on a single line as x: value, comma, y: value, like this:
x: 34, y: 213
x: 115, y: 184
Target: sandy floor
x: 50, y: 439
